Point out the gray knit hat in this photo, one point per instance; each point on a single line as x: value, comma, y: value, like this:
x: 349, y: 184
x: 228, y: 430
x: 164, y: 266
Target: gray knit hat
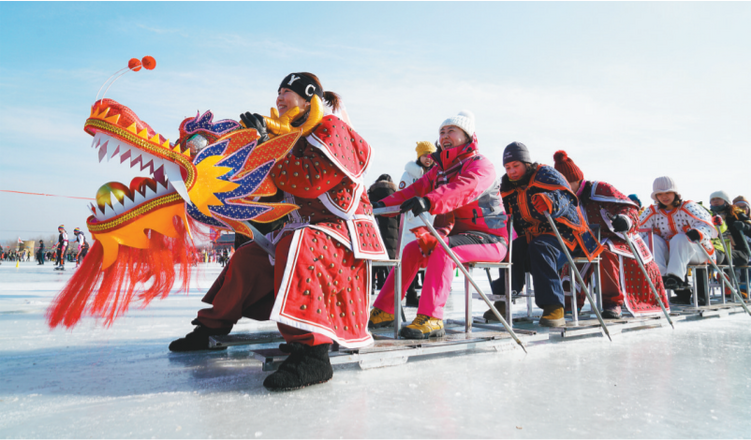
x: 720, y: 195
x: 516, y: 151
x: 664, y: 184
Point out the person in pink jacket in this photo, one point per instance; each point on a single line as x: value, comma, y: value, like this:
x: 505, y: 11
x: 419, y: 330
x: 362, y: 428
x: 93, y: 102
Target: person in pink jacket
x: 462, y: 191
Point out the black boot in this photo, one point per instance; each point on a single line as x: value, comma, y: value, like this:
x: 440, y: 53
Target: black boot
x: 198, y: 339
x: 612, y: 311
x: 672, y: 282
x: 306, y: 365
x: 412, y: 299
x: 682, y: 296
x: 490, y: 316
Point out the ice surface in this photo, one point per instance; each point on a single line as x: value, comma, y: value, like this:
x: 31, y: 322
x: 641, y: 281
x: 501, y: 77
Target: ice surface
x: 122, y: 382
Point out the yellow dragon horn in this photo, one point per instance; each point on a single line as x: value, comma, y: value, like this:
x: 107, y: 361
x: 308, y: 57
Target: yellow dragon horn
x: 282, y: 125
x: 314, y: 117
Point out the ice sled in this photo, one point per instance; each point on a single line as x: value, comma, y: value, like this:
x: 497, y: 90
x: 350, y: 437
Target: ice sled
x: 474, y: 333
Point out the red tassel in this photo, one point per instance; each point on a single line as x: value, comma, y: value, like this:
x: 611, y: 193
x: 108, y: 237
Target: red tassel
x: 124, y: 280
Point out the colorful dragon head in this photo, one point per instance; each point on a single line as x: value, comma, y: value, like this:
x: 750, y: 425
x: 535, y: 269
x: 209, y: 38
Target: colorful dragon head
x: 216, y: 173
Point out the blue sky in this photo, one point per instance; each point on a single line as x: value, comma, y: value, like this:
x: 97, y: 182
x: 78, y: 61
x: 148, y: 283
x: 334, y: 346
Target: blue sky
x: 631, y: 91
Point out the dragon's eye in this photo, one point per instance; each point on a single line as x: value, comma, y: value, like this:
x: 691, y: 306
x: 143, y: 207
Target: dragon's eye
x: 197, y: 143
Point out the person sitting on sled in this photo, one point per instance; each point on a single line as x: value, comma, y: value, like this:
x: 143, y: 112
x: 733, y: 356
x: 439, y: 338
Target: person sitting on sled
x: 615, y: 214
x: 315, y: 285
x: 675, y: 228
x: 741, y: 203
x: 462, y: 191
x: 530, y: 190
x: 735, y: 227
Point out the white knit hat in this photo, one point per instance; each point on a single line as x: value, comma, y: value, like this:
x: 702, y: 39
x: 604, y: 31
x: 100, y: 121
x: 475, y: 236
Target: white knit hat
x: 664, y: 184
x: 464, y: 120
x: 720, y: 195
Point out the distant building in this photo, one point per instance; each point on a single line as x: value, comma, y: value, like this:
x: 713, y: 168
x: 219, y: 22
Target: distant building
x: 225, y: 241
x: 27, y: 244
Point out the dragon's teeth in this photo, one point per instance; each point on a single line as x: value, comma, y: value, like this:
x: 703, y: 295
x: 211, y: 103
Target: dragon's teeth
x: 115, y: 151
x: 127, y: 204
x: 157, y: 163
x: 114, y: 204
x: 159, y: 172
x: 172, y: 171
x: 97, y: 140
x: 148, y: 164
x: 161, y: 189
x: 149, y: 193
x: 138, y: 198
x: 124, y: 153
x: 103, y: 151
x: 108, y: 212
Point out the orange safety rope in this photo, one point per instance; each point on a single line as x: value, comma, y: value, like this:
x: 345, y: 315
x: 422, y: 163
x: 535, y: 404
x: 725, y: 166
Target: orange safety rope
x: 48, y: 195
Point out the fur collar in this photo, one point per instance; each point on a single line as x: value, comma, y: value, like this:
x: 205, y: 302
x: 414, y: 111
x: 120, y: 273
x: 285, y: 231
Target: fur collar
x: 414, y: 169
x: 383, y: 184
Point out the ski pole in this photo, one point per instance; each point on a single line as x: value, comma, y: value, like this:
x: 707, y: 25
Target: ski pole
x: 459, y: 265
x: 727, y: 252
x: 261, y: 240
x: 646, y: 275
x: 725, y: 278
x: 578, y: 275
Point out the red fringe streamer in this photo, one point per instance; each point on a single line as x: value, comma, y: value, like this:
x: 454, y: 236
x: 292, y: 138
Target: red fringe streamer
x: 125, y: 279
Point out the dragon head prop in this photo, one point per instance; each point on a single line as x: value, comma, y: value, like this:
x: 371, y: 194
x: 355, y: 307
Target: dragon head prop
x: 216, y: 174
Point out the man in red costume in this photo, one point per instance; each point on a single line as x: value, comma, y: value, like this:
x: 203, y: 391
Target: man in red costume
x: 623, y: 282
x: 316, y: 285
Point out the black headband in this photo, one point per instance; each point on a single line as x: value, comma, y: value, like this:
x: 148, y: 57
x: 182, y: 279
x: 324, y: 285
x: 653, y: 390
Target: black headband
x: 301, y: 84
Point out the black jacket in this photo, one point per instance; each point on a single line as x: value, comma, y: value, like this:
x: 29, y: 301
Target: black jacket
x: 389, y: 226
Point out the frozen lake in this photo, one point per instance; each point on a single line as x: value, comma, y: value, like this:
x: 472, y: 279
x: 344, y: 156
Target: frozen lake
x: 122, y: 382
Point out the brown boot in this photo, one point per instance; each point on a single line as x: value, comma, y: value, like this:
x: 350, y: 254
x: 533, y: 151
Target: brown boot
x: 423, y: 327
x: 552, y: 316
x: 490, y: 316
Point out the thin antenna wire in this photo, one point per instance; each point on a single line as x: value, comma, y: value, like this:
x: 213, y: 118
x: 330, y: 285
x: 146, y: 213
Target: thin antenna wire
x: 105, y: 83
x: 113, y: 81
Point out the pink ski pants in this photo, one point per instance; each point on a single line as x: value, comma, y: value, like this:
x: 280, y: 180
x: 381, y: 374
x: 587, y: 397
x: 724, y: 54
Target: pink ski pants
x: 439, y: 271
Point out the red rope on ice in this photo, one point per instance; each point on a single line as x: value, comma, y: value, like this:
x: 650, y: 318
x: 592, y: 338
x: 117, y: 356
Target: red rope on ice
x: 48, y: 195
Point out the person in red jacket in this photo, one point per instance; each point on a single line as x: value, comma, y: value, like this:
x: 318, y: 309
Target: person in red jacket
x: 315, y: 285
x: 462, y: 191
x: 623, y: 282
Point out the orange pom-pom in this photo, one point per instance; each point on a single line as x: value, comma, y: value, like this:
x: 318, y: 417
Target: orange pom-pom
x: 134, y: 64
x: 148, y: 62
x: 560, y: 156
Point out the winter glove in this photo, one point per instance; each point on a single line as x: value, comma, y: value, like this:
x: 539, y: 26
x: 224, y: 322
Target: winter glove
x: 740, y: 226
x: 378, y: 204
x: 621, y: 223
x: 717, y: 220
x: 693, y: 235
x: 254, y: 120
x: 425, y: 240
x: 539, y: 203
x: 417, y: 205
